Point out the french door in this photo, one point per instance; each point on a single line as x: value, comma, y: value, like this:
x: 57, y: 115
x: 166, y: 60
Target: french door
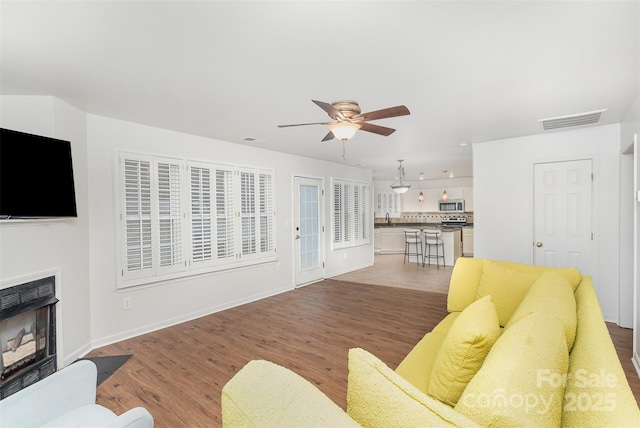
x: 308, y: 233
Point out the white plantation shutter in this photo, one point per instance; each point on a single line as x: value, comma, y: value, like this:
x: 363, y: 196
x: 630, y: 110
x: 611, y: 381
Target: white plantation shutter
x: 224, y: 215
x: 361, y: 214
x: 201, y: 215
x: 347, y: 202
x: 169, y: 215
x: 138, y: 253
x: 248, y: 212
x: 357, y: 212
x: 338, y: 213
x: 267, y: 213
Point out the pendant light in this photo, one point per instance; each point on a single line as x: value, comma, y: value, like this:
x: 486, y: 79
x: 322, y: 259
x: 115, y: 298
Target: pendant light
x: 445, y: 196
x: 400, y: 186
x: 421, y: 197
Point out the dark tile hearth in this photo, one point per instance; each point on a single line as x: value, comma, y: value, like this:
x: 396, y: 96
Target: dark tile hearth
x: 107, y: 365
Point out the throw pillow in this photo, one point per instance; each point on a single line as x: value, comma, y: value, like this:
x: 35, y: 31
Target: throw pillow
x: 552, y: 295
x: 521, y: 380
x: 506, y: 286
x: 378, y: 397
x: 463, y: 350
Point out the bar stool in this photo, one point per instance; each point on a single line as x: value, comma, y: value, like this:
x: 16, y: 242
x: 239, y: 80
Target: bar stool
x: 412, y: 237
x: 433, y: 238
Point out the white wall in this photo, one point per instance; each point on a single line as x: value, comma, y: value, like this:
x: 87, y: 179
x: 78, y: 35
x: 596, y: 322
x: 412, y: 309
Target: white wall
x: 170, y: 302
x: 503, y: 199
x: 629, y: 126
x: 29, y: 248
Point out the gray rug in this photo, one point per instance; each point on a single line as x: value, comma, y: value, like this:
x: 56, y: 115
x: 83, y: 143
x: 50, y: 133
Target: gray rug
x: 107, y: 365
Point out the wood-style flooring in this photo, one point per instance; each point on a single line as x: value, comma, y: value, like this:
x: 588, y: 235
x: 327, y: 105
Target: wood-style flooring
x: 177, y: 373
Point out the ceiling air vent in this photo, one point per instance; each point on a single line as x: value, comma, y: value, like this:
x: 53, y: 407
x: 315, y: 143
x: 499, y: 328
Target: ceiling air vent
x: 579, y: 119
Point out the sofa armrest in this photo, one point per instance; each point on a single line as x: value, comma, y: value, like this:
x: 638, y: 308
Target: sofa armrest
x: 63, y: 391
x: 138, y: 417
x: 264, y: 394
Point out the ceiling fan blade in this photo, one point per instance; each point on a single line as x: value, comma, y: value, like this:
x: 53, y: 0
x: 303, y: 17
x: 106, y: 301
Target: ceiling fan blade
x: 385, y: 113
x: 377, y: 129
x: 331, y: 110
x: 329, y: 136
x: 305, y: 124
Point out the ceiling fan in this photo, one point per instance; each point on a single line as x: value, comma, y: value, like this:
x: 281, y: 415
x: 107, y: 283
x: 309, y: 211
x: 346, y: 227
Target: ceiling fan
x: 348, y: 119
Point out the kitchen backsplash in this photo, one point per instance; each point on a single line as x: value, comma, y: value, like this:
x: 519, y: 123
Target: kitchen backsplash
x: 424, y: 218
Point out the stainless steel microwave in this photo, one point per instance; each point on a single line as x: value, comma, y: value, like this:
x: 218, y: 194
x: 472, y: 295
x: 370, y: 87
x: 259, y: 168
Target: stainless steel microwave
x: 452, y: 206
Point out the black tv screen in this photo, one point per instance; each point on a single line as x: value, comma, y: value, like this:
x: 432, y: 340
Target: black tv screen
x: 36, y: 176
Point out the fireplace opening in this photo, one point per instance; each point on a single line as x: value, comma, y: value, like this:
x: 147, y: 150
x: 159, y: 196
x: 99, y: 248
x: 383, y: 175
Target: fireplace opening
x: 27, y: 334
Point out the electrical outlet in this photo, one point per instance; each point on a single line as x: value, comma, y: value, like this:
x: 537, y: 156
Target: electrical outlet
x: 126, y: 303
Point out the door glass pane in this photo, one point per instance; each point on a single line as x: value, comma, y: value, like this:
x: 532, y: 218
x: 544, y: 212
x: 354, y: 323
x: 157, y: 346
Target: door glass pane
x: 309, y: 255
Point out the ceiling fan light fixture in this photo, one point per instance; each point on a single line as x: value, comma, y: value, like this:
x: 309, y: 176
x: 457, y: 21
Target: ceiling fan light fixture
x: 400, y: 186
x: 344, y: 130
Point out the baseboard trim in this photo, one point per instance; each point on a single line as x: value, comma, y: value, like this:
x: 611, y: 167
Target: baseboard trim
x: 108, y: 340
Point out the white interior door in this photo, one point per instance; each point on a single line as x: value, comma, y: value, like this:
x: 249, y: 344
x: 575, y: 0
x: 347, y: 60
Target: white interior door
x: 562, y: 215
x: 308, y: 230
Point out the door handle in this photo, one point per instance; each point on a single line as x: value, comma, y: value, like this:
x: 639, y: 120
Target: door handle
x: 538, y: 244
x: 297, y: 236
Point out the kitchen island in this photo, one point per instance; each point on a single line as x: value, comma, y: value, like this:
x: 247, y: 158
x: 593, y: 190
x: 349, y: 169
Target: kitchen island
x: 389, y: 239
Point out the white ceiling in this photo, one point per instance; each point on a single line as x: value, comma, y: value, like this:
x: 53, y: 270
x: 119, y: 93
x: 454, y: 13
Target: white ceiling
x: 468, y: 71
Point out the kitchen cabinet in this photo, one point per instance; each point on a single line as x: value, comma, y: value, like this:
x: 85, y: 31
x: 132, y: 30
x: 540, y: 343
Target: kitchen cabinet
x: 391, y: 240
x: 388, y: 202
x: 467, y: 241
x: 411, y: 203
x: 376, y: 240
x: 431, y: 200
x: 467, y: 193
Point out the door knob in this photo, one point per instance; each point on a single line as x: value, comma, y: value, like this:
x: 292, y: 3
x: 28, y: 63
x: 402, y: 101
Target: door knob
x: 538, y: 244
x: 297, y: 236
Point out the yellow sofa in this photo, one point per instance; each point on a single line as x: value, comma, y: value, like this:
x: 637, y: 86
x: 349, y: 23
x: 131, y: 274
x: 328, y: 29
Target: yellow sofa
x: 521, y: 346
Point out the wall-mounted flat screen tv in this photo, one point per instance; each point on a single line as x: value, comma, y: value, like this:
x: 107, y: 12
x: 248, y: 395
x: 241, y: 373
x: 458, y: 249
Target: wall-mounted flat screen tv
x: 36, y: 177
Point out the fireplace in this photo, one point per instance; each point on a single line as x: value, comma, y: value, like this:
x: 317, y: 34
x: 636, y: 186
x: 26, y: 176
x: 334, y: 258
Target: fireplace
x: 27, y: 334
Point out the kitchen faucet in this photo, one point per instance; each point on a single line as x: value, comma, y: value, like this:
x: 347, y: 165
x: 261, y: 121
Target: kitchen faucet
x: 387, y: 218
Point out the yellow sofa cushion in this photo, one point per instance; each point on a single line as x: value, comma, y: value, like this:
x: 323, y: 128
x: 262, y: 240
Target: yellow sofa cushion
x: 463, y: 350
x: 417, y: 365
x: 378, y: 397
x: 467, y: 273
x: 552, y: 295
x: 264, y: 394
x: 506, y: 286
x: 520, y: 382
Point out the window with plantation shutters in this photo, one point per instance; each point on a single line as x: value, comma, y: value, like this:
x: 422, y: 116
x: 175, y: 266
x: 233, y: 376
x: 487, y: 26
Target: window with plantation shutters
x: 351, y: 214
x: 181, y: 217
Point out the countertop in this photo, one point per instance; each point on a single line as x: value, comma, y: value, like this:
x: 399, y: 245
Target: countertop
x: 421, y: 226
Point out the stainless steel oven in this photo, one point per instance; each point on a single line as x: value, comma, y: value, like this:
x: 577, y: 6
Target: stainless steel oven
x: 452, y: 206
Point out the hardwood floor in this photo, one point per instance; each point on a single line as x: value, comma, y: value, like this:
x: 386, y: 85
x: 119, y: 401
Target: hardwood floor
x: 177, y: 373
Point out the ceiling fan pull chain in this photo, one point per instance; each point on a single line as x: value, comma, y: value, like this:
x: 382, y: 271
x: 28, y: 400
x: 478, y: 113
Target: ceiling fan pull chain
x: 344, y: 143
